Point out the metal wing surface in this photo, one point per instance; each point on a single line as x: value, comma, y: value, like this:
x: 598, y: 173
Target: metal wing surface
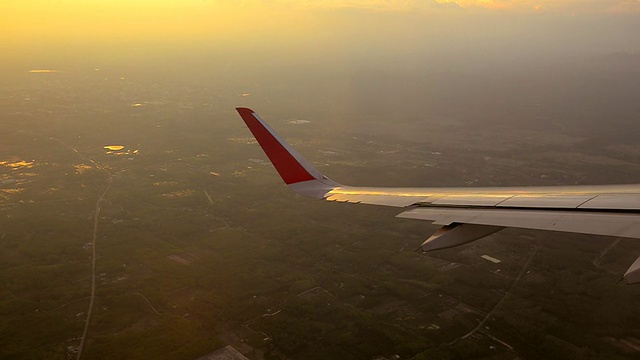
x: 468, y: 214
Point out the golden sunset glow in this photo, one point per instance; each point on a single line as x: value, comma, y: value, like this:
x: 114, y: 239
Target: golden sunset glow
x: 102, y: 20
x: 50, y: 37
x: 32, y: 21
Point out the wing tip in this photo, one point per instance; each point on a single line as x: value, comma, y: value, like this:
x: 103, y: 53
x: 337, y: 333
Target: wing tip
x: 245, y: 112
x: 291, y: 166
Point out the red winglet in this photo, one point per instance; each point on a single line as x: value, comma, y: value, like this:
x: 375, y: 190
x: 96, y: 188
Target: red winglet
x: 278, y: 151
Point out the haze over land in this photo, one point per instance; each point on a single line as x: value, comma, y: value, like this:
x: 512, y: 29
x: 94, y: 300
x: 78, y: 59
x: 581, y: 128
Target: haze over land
x: 119, y: 130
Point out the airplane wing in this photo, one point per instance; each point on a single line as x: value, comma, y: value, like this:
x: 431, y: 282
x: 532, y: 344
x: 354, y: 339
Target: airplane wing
x: 468, y: 214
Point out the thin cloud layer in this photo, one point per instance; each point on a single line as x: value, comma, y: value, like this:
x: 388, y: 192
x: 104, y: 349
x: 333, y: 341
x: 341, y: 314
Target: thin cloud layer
x: 520, y: 6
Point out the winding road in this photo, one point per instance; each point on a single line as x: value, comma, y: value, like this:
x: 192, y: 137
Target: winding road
x: 513, y: 285
x: 93, y: 261
x: 96, y: 218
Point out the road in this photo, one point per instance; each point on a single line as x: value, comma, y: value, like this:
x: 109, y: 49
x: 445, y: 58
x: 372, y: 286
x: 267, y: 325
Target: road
x: 515, y: 282
x: 598, y: 259
x: 96, y: 218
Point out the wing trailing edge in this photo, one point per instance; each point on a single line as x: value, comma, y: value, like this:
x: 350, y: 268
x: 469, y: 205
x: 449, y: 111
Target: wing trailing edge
x: 469, y: 214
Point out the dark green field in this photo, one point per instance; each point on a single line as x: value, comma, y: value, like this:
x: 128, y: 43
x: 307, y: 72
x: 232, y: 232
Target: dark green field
x: 200, y: 245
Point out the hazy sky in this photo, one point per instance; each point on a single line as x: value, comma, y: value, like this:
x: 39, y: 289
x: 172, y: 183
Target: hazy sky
x: 30, y: 27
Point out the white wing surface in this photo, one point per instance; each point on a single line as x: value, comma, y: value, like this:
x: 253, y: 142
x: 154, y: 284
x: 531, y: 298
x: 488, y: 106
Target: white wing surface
x: 468, y: 214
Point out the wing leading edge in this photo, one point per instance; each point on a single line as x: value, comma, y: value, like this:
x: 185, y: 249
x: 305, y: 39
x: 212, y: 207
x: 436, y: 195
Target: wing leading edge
x: 468, y: 214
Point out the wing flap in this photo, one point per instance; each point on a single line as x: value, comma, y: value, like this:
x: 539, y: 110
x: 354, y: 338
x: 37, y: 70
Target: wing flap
x: 609, y: 224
